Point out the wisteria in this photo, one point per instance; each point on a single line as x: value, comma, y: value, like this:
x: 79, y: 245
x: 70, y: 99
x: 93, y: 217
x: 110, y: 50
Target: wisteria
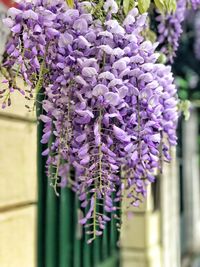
x: 195, y: 4
x: 110, y: 108
x: 170, y: 30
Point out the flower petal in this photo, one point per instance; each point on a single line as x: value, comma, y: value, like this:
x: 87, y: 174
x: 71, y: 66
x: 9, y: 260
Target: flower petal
x: 89, y: 72
x: 106, y: 75
x: 112, y: 98
x: 120, y: 134
x: 99, y: 89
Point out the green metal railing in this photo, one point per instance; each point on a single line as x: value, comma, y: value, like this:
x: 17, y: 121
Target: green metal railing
x: 61, y: 242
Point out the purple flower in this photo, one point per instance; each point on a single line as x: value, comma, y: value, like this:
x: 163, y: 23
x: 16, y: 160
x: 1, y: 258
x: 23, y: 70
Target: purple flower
x: 170, y: 30
x: 195, y: 4
x: 13, y: 12
x: 109, y: 106
x: 89, y: 72
x: 112, y: 98
x: 111, y: 6
x: 16, y: 28
x: 100, y: 89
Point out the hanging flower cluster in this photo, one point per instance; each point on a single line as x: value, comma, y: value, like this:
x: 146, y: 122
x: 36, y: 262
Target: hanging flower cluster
x: 195, y: 4
x: 170, y: 27
x: 110, y: 107
x: 170, y: 30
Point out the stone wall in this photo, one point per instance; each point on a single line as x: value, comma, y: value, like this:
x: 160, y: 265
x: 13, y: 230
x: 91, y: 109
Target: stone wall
x: 18, y: 193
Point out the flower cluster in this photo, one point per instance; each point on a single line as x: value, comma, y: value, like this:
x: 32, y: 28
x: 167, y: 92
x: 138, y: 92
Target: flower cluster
x: 110, y: 107
x: 170, y: 30
x: 195, y: 4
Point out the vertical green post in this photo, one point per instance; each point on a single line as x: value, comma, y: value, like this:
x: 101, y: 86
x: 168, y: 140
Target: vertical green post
x: 65, y: 230
x: 52, y: 226
x: 77, y: 235
x: 41, y: 189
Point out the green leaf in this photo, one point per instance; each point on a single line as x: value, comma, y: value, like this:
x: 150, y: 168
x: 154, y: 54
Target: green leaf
x: 166, y: 5
x: 162, y: 58
x: 184, y: 107
x: 174, y: 6
x: 170, y: 5
x: 70, y: 3
x: 149, y: 35
x: 41, y: 77
x: 183, y: 94
x: 186, y: 115
x: 128, y: 5
x: 181, y: 83
x: 143, y: 5
x: 160, y: 5
x: 118, y: 2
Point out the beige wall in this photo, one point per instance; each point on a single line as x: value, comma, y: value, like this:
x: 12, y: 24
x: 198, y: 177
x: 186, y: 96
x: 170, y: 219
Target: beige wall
x: 17, y: 186
x: 141, y: 236
x: 151, y: 237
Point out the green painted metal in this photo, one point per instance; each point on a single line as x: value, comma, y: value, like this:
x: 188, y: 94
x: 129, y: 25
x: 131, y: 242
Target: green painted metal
x: 97, y: 251
x: 77, y: 235
x: 97, y: 247
x: 112, y: 261
x: 65, y: 232
x: 41, y: 190
x: 105, y: 245
x: 52, y: 224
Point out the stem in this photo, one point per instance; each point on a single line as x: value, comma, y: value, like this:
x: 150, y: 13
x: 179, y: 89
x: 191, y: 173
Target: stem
x: 160, y: 152
x: 18, y: 68
x: 139, y: 128
x: 100, y: 151
x: 94, y: 214
x: 56, y: 177
x: 100, y: 178
x: 68, y: 121
x: 41, y: 78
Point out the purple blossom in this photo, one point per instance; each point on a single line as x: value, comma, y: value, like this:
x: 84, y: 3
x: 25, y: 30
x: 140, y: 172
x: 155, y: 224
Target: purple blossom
x: 195, y: 4
x: 170, y: 30
x: 109, y: 106
x: 111, y: 6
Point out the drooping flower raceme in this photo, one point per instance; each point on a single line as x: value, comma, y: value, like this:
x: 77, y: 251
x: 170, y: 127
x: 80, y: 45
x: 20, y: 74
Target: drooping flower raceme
x: 110, y: 110
x: 170, y: 30
x: 195, y: 4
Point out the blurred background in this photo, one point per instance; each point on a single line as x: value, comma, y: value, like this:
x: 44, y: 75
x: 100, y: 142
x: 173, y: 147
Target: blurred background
x: 39, y: 229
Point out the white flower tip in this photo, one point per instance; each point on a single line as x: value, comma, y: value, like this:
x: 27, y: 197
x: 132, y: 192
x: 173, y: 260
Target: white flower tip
x: 111, y: 6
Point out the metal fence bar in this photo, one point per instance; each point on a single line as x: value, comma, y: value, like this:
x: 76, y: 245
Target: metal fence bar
x: 65, y: 232
x: 51, y: 228
x: 41, y: 191
x: 77, y: 235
